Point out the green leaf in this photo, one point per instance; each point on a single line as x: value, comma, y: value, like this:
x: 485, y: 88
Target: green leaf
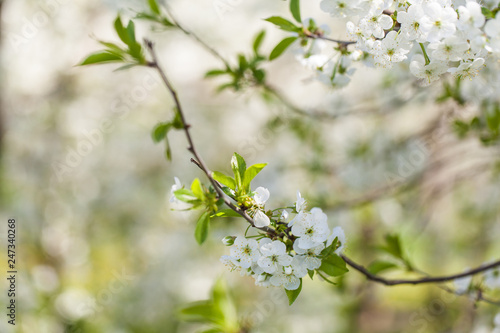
x: 131, y: 33
x: 333, y: 265
x: 295, y: 9
x: 201, y: 311
x: 283, y: 24
x: 250, y: 174
x: 113, y: 48
x: 160, y: 132
x: 124, y: 67
x: 310, y: 273
x: 154, y: 6
x: 228, y: 191
x: 258, y: 41
x: 201, y: 231
x: 380, y: 266
x: 168, y: 149
x: 293, y: 294
x: 101, y: 57
x: 493, y: 118
x: 226, y: 213
x: 393, y: 246
x: 487, y: 13
x: 197, y: 189
x: 460, y: 128
x: 239, y: 168
x: 224, y: 180
x: 177, y: 121
x: 281, y: 47
x: 134, y: 47
x: 120, y: 30
x: 185, y: 195
x: 215, y: 72
x: 224, y: 304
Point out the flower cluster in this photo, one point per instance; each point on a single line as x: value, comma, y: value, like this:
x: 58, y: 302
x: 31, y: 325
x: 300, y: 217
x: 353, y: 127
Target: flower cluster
x: 433, y: 36
x: 282, y: 260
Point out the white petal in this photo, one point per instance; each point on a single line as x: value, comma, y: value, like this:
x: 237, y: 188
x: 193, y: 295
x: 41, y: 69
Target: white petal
x: 261, y: 219
x: 261, y: 195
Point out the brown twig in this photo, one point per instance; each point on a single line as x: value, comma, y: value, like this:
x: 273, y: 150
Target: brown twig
x: 155, y: 64
x: 429, y: 279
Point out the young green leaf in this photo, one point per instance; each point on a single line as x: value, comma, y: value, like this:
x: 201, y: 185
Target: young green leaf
x: 185, y: 195
x: 283, y: 24
x: 168, y: 149
x: 101, y: 57
x: 295, y: 9
x: 380, y: 266
x: 393, y: 246
x: 333, y: 265
x: 226, y: 213
x: 112, y: 48
x: 250, y: 174
x: 201, y: 311
x: 160, y: 132
x: 154, y: 6
x: 239, y: 167
x: 197, y: 189
x: 293, y: 294
x: 224, y: 180
x: 215, y: 72
x: 258, y: 41
x: 131, y: 33
x: 281, y: 47
x: 201, y: 231
x: 120, y: 30
x: 224, y: 304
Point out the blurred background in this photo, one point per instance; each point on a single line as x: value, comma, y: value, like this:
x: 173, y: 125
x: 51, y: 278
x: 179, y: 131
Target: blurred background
x: 99, y: 247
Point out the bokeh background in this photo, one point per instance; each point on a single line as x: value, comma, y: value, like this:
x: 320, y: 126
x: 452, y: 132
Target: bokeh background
x: 99, y: 247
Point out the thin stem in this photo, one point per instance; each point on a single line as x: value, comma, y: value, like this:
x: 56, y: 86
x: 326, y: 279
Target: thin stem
x: 155, y: 64
x: 198, y: 39
x: 426, y: 57
x: 429, y: 279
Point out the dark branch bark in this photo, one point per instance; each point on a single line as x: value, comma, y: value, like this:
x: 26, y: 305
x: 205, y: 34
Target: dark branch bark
x: 430, y: 279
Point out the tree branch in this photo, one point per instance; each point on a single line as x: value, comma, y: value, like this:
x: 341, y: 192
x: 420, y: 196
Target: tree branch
x: 186, y: 127
x: 430, y: 279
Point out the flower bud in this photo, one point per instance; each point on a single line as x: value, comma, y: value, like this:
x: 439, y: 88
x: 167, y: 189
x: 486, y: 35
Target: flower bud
x: 288, y: 270
x: 228, y: 240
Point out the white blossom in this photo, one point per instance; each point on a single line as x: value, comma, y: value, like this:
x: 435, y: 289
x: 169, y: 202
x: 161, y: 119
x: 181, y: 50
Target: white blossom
x: 246, y: 251
x: 312, y: 229
x: 467, y: 69
x: 274, y: 256
x: 430, y: 72
x: 309, y: 257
